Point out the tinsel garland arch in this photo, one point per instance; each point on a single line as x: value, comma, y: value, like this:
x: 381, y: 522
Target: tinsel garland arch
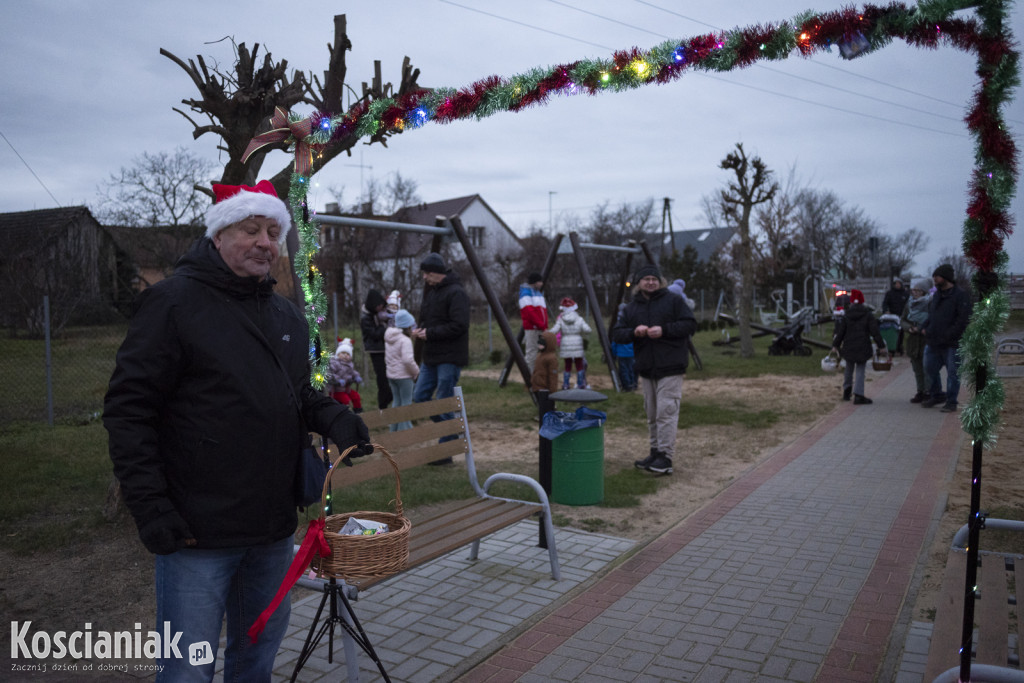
x: 929, y: 24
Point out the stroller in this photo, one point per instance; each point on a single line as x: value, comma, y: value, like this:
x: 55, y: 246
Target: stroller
x: 788, y: 340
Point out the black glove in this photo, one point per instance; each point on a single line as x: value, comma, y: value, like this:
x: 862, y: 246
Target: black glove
x: 350, y: 430
x: 166, y: 534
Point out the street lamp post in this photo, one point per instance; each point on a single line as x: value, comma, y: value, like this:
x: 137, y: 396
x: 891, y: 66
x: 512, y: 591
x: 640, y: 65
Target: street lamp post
x: 551, y: 215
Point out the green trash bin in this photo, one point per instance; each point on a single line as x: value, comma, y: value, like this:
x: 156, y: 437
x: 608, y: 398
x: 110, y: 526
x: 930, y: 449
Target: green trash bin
x: 889, y: 328
x: 577, y: 467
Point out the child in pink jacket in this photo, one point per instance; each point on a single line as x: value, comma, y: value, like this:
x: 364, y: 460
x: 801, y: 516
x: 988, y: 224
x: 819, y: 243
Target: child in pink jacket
x: 401, y: 366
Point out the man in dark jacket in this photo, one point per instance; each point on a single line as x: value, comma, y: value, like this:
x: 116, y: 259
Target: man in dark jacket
x: 373, y: 324
x: 207, y: 413
x: 948, y: 315
x: 893, y: 303
x: 444, y: 331
x: 658, y: 324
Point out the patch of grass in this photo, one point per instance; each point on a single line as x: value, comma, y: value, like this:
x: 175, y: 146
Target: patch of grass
x: 45, y: 473
x: 624, y: 488
x: 705, y: 412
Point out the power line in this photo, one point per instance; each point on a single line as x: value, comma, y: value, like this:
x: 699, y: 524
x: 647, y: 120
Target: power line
x: 822, y: 64
x: 777, y: 71
x: 765, y: 90
x: 516, y: 21
x: 38, y: 179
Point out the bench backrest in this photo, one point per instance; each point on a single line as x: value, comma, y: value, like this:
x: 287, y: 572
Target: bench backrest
x: 418, y: 445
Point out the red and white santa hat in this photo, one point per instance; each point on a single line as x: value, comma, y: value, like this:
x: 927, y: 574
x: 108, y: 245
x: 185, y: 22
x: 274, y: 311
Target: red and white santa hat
x: 568, y: 305
x: 344, y: 346
x: 235, y: 203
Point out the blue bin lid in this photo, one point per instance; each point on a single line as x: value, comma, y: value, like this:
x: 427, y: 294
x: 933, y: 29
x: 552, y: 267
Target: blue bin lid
x: 578, y: 396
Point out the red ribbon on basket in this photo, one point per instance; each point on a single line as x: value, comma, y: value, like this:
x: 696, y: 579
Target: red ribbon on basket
x: 313, y: 544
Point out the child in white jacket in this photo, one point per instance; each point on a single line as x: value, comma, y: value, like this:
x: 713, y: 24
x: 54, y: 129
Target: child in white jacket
x: 401, y: 366
x: 572, y: 327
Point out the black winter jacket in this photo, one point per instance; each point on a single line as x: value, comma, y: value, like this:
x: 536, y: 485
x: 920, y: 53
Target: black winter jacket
x: 854, y: 333
x: 948, y: 315
x: 445, y: 316
x: 669, y: 354
x: 895, y: 300
x: 202, y: 420
x: 371, y: 325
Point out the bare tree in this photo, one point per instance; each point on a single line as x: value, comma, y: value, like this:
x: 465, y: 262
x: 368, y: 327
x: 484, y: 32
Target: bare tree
x: 235, y: 105
x: 901, y: 250
x: 753, y: 185
x: 158, y: 189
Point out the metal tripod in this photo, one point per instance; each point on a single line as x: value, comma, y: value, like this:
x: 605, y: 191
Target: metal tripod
x: 338, y: 615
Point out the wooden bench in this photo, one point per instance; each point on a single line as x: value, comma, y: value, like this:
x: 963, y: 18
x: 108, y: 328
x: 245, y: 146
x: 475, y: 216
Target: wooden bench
x: 459, y: 524
x: 998, y: 617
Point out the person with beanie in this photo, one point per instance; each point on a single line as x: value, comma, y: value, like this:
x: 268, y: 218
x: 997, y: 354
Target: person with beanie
x: 444, y: 332
x: 852, y: 341
x: 401, y: 364
x: 893, y: 303
x: 373, y: 321
x: 915, y: 315
x: 533, y: 311
x: 343, y: 377
x: 659, y: 325
x: 948, y: 314
x: 678, y: 287
x: 571, y: 326
x: 208, y: 411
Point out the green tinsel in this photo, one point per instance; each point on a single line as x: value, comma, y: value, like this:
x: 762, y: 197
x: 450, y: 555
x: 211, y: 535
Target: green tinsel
x: 981, y: 417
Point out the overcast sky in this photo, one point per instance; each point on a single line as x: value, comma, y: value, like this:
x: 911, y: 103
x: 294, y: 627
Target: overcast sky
x: 86, y: 92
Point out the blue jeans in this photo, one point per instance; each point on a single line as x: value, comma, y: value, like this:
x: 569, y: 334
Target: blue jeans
x: 627, y: 375
x: 194, y: 590
x: 441, y: 377
x: 401, y: 392
x: 934, y: 359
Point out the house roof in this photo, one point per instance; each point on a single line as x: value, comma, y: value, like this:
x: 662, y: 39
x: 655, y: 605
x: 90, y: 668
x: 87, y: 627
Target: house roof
x: 415, y: 244
x: 156, y: 247
x: 706, y: 241
x: 23, y: 230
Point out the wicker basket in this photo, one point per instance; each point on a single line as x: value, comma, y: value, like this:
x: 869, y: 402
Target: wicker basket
x: 354, y: 558
x: 881, y: 363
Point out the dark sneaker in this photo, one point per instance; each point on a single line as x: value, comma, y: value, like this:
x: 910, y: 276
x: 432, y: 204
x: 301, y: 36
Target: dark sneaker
x: 859, y: 400
x: 846, y: 393
x: 930, y: 402
x: 642, y: 464
x: 948, y: 408
x: 918, y: 397
x: 660, y: 465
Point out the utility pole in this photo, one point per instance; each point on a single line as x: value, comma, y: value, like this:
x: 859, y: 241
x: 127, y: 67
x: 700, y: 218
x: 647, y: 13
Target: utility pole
x: 551, y: 215
x: 666, y: 219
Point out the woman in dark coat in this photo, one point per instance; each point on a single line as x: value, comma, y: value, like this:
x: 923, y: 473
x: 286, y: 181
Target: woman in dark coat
x: 852, y: 341
x: 373, y: 322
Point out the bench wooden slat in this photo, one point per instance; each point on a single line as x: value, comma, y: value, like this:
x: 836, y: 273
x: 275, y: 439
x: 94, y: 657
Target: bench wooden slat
x: 991, y: 612
x: 427, y: 431
x: 375, y: 419
x: 457, y: 527
x: 944, y: 651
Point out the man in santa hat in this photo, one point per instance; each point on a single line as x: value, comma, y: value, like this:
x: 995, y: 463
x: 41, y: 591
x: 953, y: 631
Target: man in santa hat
x: 208, y: 410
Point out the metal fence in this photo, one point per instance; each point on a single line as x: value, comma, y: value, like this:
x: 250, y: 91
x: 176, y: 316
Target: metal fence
x: 57, y: 380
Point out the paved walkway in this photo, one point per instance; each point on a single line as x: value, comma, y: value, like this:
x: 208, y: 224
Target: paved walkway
x: 799, y: 571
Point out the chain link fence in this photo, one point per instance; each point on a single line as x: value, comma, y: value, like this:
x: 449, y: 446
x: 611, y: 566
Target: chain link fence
x: 55, y: 379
